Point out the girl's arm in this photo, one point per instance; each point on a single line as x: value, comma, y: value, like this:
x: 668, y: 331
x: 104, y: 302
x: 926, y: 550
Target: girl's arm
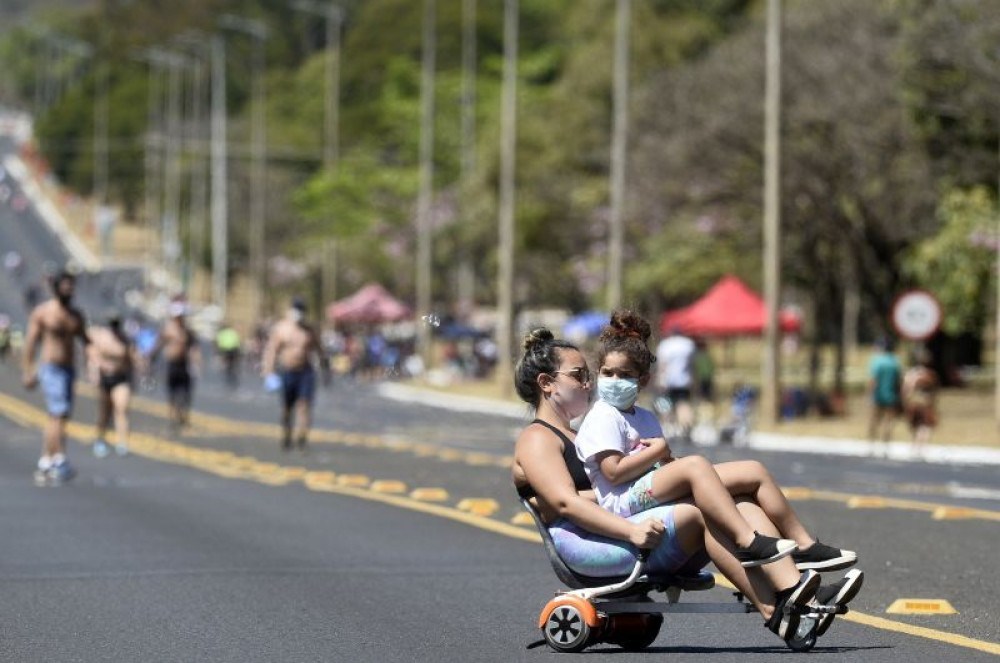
x: 619, y: 468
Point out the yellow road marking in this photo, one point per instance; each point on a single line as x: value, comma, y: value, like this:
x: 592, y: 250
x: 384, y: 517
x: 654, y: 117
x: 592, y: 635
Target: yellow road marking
x: 479, y: 506
x: 798, y: 493
x: 156, y: 449
x: 952, y: 513
x: 864, y: 502
x: 388, y: 486
x: 921, y: 607
x: 429, y: 494
x: 523, y: 518
x: 356, y: 480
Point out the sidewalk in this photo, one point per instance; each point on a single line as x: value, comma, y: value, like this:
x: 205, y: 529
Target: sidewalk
x: 763, y: 441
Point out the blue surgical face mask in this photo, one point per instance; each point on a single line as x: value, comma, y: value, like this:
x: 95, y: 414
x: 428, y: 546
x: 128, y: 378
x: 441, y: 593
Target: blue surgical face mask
x: 618, y: 392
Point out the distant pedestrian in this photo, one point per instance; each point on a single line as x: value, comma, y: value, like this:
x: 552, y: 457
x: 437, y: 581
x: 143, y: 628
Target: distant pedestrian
x: 675, y: 363
x: 54, y: 325
x: 919, y: 392
x: 288, y: 357
x: 183, y: 357
x: 227, y: 345
x: 114, y: 357
x: 884, y: 384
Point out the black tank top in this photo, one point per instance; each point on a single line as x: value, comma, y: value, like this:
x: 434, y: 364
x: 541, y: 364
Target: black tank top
x: 573, y: 464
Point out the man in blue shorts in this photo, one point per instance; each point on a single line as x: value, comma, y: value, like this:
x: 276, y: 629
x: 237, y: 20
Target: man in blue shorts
x: 289, y: 351
x: 55, y: 325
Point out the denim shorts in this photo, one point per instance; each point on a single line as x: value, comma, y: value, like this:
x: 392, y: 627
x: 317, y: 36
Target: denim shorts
x: 57, y: 386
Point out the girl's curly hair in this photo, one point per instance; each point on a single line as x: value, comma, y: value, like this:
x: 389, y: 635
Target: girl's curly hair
x: 628, y: 333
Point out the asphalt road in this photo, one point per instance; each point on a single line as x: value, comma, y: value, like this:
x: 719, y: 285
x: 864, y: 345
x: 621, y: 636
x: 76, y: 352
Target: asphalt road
x: 157, y: 557
x: 392, y: 538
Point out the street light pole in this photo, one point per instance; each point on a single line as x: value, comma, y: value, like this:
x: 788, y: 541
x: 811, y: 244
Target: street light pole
x: 619, y: 140
x: 508, y: 146
x: 258, y: 151
x: 466, y: 271
x: 219, y: 204
x: 331, y: 126
x: 771, y: 367
x: 425, y: 198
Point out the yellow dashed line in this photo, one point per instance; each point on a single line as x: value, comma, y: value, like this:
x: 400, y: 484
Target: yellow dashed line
x: 953, y: 513
x: 388, y: 486
x: 523, y: 518
x: 797, y: 493
x: 429, y: 494
x: 921, y: 607
x: 479, y: 506
x: 353, y: 480
x: 862, y: 502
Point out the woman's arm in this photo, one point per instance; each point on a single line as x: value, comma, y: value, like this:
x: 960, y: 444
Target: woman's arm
x: 541, y: 460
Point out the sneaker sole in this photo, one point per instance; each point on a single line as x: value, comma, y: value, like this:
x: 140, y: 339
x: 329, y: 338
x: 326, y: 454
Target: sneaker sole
x: 800, y: 598
x: 833, y: 564
x: 749, y: 564
x: 843, y: 597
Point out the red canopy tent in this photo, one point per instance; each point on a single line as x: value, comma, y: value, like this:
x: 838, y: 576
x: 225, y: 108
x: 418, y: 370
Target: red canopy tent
x: 729, y: 308
x: 371, y: 304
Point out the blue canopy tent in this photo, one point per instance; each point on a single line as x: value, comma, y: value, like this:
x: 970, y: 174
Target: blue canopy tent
x: 585, y: 325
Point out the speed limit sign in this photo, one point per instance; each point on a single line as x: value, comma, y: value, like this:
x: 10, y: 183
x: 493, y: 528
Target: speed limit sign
x: 916, y: 315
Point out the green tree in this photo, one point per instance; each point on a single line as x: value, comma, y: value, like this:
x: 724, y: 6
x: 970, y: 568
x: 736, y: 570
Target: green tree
x: 958, y: 264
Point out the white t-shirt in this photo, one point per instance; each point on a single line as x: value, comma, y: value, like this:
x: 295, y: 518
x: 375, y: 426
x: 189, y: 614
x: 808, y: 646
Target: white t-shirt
x: 673, y: 360
x: 606, y: 428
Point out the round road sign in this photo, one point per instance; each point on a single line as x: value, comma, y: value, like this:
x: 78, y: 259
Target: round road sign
x: 916, y: 315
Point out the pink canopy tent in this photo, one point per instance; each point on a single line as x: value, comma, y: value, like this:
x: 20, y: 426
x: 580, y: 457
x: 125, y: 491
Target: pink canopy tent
x: 372, y: 304
x: 729, y: 308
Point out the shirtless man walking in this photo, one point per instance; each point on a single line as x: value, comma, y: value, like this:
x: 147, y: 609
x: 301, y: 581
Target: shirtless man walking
x: 180, y: 349
x: 289, y: 351
x: 55, y: 325
x: 113, y: 356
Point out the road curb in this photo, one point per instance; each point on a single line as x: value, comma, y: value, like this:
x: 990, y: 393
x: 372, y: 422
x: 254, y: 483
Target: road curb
x: 801, y: 444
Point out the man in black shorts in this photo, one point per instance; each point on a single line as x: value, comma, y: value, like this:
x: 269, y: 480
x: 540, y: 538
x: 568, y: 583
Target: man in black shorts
x: 183, y: 356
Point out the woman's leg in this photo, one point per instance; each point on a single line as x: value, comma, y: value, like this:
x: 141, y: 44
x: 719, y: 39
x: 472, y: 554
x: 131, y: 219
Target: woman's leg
x: 120, y: 397
x: 103, y: 413
x: 695, y: 476
x: 751, y: 478
x: 759, y: 584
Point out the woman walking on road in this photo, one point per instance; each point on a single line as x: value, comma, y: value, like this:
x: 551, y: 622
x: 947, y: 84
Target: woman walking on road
x: 113, y: 358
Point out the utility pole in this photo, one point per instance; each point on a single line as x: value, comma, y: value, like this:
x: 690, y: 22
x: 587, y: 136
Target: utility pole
x: 771, y: 366
x: 425, y: 198
x: 258, y: 157
x: 172, y: 253
x: 154, y: 139
x: 619, y: 141
x: 103, y: 215
x: 220, y: 207
x: 466, y: 271
x: 508, y: 147
x: 331, y: 126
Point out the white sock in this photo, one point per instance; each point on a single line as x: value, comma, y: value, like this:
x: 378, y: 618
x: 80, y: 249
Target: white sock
x: 58, y: 459
x: 44, y: 463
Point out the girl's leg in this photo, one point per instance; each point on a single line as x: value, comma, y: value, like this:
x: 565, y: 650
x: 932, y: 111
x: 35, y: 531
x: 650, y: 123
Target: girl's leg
x: 751, y: 478
x: 695, y: 476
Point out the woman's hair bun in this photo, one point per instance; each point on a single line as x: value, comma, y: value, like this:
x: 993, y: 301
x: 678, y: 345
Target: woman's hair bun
x: 535, y: 338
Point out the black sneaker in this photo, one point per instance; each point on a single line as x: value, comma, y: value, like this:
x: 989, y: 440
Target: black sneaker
x: 789, y: 603
x: 764, y: 550
x: 839, y: 593
x: 821, y: 557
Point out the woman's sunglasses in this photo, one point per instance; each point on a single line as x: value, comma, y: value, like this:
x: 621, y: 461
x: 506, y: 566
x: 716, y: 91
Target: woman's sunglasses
x: 581, y: 375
